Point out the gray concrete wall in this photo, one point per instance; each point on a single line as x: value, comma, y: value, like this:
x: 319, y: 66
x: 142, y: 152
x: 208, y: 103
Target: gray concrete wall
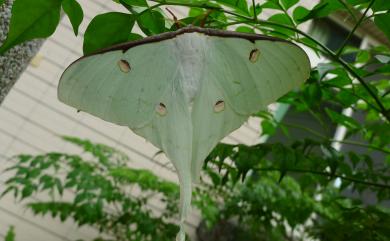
x: 14, y: 61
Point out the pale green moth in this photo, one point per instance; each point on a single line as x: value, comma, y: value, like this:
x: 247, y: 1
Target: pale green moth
x: 186, y: 90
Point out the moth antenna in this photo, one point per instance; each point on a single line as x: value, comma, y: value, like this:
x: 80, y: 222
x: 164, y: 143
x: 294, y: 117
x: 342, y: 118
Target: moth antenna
x: 177, y: 23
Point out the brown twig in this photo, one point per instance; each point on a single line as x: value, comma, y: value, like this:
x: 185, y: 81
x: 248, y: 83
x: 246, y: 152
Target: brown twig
x: 177, y: 24
x: 207, y: 14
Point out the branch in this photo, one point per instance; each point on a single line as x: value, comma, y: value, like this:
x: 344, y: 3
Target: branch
x: 347, y: 142
x: 325, y: 174
x: 307, y: 129
x: 346, y: 6
x: 355, y: 143
x: 354, y: 29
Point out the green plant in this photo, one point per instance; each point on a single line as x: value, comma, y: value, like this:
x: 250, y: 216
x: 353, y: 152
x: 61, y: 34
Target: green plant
x: 10, y: 235
x: 288, y: 176
x: 302, y: 203
x: 99, y: 184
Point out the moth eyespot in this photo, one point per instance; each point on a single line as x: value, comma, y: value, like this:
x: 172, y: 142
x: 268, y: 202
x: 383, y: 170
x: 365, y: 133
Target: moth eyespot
x: 161, y: 109
x: 124, y: 66
x: 254, y: 55
x: 219, y: 106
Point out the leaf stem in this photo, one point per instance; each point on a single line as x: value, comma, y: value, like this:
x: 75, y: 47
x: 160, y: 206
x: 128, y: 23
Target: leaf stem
x: 347, y: 142
x: 354, y: 29
x: 254, y: 10
x: 355, y: 143
x: 203, y: 5
x: 348, y: 9
x: 325, y: 174
x: 318, y: 134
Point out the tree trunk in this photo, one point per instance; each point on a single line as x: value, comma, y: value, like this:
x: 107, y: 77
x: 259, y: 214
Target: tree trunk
x: 15, y: 60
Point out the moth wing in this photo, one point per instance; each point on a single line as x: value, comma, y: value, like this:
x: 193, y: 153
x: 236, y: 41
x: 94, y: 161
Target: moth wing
x: 120, y: 87
x: 255, y: 74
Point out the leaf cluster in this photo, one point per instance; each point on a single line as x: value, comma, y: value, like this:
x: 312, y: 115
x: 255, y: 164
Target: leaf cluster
x: 275, y: 191
x: 99, y: 184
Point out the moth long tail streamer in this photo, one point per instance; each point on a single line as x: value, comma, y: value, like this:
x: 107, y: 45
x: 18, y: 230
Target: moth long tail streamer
x: 185, y: 202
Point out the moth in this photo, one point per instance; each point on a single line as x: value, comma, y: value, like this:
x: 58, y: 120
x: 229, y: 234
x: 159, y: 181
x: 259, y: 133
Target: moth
x: 184, y: 91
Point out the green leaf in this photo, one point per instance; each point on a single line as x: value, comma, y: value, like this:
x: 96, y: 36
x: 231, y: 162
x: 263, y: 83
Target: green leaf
x: 30, y: 20
x: 363, y: 56
x: 107, y: 29
x: 215, y: 178
x: 75, y: 13
x: 267, y: 128
x: 381, y: 5
x: 9, y: 189
x: 346, y: 98
x: 288, y: 3
x: 151, y: 22
x: 10, y: 236
x: 238, y: 5
x: 312, y: 94
x: 272, y: 4
x: 383, y: 22
x: 1, y: 2
x: 323, y: 9
x: 134, y: 36
x: 339, y: 81
x: 195, y: 12
x: 357, y: 2
x: 342, y: 119
x: 145, y: 179
x: 247, y: 158
x: 27, y: 191
x: 257, y: 10
x: 354, y: 158
x: 282, y: 19
x: 283, y: 157
x: 300, y: 13
x: 139, y: 3
x: 244, y: 29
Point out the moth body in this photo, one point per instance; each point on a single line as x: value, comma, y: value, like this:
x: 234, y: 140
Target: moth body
x: 189, y: 51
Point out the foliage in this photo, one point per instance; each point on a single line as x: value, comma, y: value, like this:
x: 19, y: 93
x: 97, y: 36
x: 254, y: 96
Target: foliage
x: 100, y: 183
x: 74, y: 12
x: 30, y: 20
x: 10, y: 235
x: 287, y: 196
x: 285, y: 184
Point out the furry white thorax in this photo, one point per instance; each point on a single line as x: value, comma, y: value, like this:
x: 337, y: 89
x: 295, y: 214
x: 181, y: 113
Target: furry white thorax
x: 190, y: 51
